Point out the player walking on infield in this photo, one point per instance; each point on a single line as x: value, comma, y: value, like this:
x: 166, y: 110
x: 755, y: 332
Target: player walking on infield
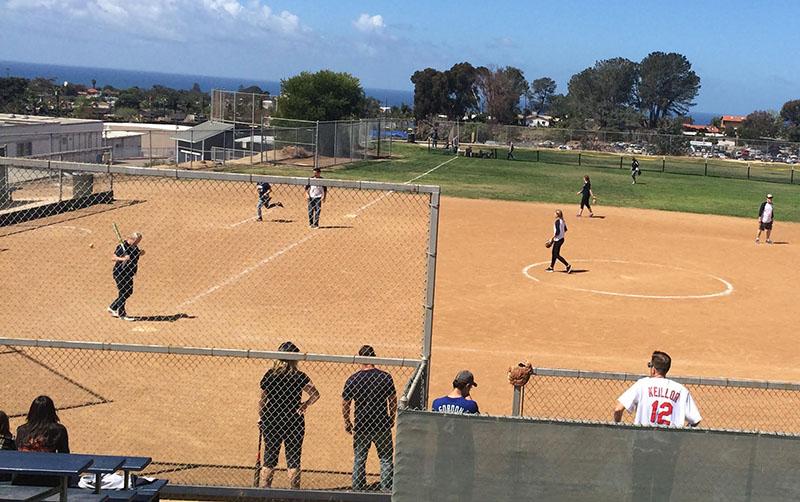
x: 635, y: 171
x: 586, y: 192
x: 264, y: 196
x: 316, y: 195
x: 126, y: 264
x: 766, y: 215
x: 555, y: 242
x: 659, y: 401
x: 510, y: 155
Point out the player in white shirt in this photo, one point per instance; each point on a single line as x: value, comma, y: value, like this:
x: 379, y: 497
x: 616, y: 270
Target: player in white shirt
x: 766, y: 215
x: 657, y: 400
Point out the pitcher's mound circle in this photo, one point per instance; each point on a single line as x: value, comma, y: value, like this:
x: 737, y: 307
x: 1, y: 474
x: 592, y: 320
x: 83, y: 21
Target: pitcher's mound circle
x: 631, y: 279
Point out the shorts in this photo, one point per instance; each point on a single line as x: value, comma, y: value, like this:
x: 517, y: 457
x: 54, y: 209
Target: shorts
x: 291, y: 436
x: 765, y: 226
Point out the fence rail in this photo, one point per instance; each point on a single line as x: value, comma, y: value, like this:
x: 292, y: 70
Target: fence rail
x: 725, y: 403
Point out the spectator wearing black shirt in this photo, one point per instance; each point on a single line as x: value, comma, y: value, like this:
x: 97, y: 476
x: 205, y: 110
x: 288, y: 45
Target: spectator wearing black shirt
x: 126, y: 264
x: 586, y: 193
x: 372, y: 390
x: 635, y: 171
x: 282, y: 414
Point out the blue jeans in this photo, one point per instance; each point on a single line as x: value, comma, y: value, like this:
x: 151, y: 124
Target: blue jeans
x: 314, y: 209
x: 383, y: 443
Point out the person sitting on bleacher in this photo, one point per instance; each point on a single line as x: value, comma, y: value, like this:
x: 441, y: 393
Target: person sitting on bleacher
x: 42, y: 431
x: 6, y: 440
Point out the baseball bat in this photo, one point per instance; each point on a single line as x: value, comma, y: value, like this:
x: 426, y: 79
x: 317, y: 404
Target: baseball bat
x: 257, y: 474
x: 120, y: 240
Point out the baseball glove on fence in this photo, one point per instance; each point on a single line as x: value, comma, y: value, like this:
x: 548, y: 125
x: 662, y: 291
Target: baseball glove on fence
x: 548, y: 243
x: 519, y: 375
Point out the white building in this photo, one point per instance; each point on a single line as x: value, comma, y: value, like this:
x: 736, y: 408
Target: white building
x: 77, y: 140
x: 124, y: 144
x: 156, y: 139
x: 536, y: 120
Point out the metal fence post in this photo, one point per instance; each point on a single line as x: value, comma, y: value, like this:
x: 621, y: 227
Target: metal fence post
x: 705, y: 168
x: 150, y: 140
x: 517, y: 403
x: 663, y: 164
x: 316, y: 145
x: 791, y: 176
x: 537, y: 155
x: 579, y: 158
x: 431, y: 289
x: 748, y: 170
x: 620, y: 161
x: 335, y: 127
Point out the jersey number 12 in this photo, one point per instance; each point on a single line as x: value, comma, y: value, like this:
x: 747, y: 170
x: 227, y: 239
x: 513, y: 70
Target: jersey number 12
x: 661, y: 417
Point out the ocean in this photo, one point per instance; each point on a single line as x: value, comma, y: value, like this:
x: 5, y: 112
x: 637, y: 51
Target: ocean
x: 147, y: 79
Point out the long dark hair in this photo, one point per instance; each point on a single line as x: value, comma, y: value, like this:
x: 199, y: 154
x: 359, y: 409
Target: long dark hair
x: 5, y: 429
x: 41, y: 415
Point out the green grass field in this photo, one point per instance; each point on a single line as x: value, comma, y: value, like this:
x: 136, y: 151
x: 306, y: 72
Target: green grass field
x: 544, y: 181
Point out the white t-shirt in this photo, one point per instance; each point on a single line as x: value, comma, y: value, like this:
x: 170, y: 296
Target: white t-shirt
x: 559, y: 229
x: 766, y: 216
x: 660, y: 402
x: 316, y: 191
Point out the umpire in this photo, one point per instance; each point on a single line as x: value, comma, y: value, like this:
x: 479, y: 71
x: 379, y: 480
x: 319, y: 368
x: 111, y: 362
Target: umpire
x: 126, y: 264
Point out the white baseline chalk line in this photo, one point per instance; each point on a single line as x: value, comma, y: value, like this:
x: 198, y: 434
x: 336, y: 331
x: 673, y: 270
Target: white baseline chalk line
x: 234, y: 225
x: 252, y: 268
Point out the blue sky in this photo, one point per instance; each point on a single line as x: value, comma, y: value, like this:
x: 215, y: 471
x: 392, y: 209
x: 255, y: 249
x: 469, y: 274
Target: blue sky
x: 746, y: 52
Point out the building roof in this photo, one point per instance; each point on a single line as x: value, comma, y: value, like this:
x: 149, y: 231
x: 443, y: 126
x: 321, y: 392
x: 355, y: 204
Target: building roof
x: 701, y: 128
x: 121, y: 134
x: 202, y: 132
x: 733, y: 118
x: 11, y: 119
x: 140, y: 126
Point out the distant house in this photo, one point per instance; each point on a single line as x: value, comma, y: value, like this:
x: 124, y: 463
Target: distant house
x: 734, y: 121
x: 197, y: 143
x: 536, y: 120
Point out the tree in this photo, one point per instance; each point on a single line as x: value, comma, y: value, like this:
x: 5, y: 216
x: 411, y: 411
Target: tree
x: 760, y: 124
x: 604, y: 95
x: 462, y: 90
x: 790, y: 112
x: 130, y: 98
x: 541, y: 93
x: 716, y: 121
x: 12, y: 94
x: 501, y: 90
x: 667, y: 85
x: 324, y: 95
x: 430, y: 93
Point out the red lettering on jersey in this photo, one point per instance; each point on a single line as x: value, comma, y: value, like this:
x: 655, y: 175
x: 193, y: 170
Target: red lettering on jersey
x: 649, y: 392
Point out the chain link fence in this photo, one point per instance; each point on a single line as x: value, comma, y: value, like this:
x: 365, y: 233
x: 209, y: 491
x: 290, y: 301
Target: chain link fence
x: 199, y: 412
x: 774, y: 161
x: 731, y: 404
x: 225, y: 266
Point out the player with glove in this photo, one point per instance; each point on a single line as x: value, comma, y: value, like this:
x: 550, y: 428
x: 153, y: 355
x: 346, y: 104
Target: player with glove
x: 586, y: 192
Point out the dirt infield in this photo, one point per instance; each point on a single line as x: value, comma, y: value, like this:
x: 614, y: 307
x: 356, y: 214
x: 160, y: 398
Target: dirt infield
x: 489, y: 313
x: 695, y: 286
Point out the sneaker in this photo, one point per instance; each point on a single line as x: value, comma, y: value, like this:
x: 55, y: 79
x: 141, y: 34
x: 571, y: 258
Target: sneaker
x: 591, y: 215
x: 569, y: 269
x: 127, y: 318
x: 112, y: 312
x: 577, y: 216
x: 258, y: 219
x: 548, y: 269
x: 757, y: 240
x: 769, y: 241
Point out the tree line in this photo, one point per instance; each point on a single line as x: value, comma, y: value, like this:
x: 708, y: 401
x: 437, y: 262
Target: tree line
x: 613, y: 94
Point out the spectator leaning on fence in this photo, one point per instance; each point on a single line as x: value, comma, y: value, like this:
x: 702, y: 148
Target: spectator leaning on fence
x: 459, y: 401
x: 372, y: 390
x: 659, y: 401
x: 282, y: 414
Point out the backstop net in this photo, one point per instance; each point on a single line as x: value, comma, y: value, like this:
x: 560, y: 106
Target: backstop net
x: 228, y: 274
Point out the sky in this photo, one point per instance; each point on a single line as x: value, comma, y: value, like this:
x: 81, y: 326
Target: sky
x: 747, y: 53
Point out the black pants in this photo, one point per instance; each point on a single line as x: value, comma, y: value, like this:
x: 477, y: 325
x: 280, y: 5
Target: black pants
x: 556, y: 250
x: 125, y: 290
x: 585, y: 202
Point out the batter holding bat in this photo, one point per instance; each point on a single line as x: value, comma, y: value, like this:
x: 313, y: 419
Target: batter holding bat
x: 126, y: 264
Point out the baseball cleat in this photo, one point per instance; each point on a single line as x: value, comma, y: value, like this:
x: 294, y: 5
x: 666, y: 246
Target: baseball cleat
x: 769, y: 241
x: 569, y: 269
x: 757, y: 240
x: 548, y: 269
x: 112, y: 312
x: 127, y: 318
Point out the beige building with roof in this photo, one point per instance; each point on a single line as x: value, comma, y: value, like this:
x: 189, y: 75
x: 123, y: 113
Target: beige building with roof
x: 54, y: 138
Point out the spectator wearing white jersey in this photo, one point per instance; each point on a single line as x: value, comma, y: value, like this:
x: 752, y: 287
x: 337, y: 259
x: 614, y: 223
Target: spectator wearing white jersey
x: 559, y: 230
x: 657, y: 400
x: 766, y: 215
